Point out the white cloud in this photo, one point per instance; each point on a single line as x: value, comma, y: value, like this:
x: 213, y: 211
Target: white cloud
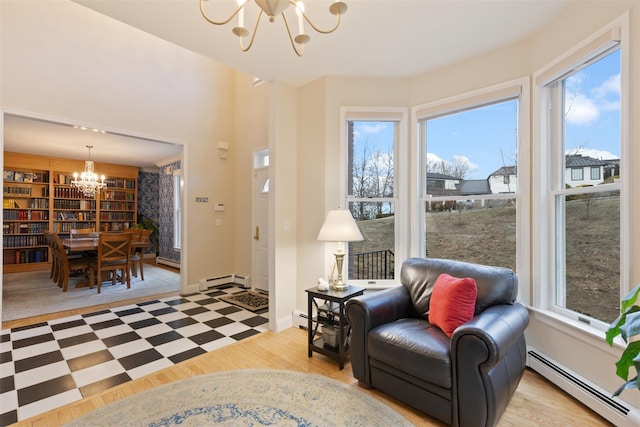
x: 581, y: 110
x: 585, y: 109
x: 594, y: 154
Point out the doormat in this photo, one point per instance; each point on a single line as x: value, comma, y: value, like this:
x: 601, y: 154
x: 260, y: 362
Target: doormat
x: 251, y: 301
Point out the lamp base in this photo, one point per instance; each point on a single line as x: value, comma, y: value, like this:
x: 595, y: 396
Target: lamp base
x: 339, y: 286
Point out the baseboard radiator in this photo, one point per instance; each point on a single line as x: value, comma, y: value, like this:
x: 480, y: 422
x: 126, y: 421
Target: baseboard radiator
x: 228, y: 280
x: 167, y: 261
x: 598, y: 400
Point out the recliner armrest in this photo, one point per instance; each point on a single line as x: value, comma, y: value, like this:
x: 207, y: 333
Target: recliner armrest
x: 379, y: 307
x: 499, y: 327
x: 489, y: 356
x: 364, y: 313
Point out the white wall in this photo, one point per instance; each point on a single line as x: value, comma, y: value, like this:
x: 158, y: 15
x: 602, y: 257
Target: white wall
x: 62, y: 61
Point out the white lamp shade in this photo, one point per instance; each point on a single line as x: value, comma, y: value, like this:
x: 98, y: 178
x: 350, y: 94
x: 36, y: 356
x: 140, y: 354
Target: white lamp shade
x: 339, y: 226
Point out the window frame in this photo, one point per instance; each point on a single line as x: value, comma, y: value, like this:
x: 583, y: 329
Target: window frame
x: 177, y: 209
x: 400, y: 198
x: 515, y: 89
x: 545, y: 187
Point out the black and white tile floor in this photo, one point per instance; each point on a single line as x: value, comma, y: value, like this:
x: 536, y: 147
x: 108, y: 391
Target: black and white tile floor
x: 48, y: 365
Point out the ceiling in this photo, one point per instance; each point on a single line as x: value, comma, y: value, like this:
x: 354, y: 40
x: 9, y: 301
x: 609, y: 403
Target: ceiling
x: 376, y: 38
x: 34, y: 136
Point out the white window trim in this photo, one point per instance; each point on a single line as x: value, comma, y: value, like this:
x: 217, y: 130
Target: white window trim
x: 543, y: 224
x: 177, y: 244
x: 401, y: 190
x: 508, y: 90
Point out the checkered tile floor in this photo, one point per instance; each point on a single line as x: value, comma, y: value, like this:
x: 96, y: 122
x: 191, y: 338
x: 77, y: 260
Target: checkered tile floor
x: 48, y: 365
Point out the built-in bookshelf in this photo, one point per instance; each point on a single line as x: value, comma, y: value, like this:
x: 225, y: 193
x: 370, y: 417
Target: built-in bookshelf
x: 25, y: 215
x: 38, y: 196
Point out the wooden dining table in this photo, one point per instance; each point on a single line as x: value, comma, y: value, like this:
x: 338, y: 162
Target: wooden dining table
x: 82, y: 245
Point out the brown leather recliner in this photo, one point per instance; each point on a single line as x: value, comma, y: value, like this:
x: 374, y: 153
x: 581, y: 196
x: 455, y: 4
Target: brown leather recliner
x: 465, y: 380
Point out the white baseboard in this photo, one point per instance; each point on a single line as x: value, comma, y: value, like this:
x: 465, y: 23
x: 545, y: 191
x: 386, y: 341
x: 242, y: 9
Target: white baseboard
x: 167, y: 261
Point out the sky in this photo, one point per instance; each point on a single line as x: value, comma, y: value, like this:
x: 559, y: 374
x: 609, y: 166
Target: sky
x: 485, y: 137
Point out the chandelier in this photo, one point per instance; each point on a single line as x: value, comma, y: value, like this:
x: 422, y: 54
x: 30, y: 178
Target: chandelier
x: 88, y: 183
x: 273, y: 8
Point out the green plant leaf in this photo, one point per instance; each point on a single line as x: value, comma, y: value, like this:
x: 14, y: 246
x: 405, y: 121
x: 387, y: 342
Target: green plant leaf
x: 630, y: 299
x: 631, y: 326
x: 614, y: 327
x: 627, y: 359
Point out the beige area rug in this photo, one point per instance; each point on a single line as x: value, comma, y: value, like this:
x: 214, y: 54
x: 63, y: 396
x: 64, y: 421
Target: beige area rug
x: 252, y: 301
x: 248, y: 397
x: 33, y: 293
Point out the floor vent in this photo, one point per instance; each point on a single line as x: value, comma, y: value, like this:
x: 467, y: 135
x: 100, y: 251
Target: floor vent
x: 600, y: 401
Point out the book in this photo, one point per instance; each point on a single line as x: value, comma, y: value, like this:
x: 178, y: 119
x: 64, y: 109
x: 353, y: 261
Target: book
x: 8, y: 175
x: 18, y: 176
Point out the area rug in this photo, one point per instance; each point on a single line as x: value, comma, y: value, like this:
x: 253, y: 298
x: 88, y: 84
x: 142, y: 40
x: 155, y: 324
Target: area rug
x: 251, y: 301
x: 248, y: 397
x: 34, y: 293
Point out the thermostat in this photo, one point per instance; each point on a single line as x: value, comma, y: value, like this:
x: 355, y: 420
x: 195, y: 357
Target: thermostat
x: 219, y: 207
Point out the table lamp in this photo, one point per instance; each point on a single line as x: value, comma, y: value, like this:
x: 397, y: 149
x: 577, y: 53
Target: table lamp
x: 339, y: 226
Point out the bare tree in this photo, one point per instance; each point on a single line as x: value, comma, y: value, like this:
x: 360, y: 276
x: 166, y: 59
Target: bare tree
x: 458, y: 168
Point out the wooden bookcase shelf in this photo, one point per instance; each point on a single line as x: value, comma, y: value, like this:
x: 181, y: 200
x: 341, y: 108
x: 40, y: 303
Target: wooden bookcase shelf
x: 38, y: 196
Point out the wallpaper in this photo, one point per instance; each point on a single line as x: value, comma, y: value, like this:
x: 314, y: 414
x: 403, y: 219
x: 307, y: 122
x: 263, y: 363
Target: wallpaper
x: 165, y: 209
x: 149, y: 202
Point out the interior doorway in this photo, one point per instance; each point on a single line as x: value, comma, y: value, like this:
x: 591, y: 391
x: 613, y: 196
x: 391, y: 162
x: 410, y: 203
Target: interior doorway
x: 51, y: 136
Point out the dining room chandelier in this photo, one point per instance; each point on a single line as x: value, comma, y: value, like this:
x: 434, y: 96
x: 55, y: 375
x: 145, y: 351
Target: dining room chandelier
x: 273, y: 8
x: 88, y: 183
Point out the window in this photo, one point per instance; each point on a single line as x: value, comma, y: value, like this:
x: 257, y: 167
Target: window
x: 177, y: 208
x: 582, y: 118
x: 576, y: 174
x: 372, y: 145
x: 469, y: 145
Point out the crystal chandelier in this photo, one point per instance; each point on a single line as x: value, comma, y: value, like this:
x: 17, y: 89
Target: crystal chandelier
x: 88, y: 183
x: 273, y: 8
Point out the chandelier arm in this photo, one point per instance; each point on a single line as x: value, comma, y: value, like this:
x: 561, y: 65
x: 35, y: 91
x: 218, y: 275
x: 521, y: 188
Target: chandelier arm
x: 293, y: 45
x: 204, y: 15
x: 319, y: 30
x: 253, y: 36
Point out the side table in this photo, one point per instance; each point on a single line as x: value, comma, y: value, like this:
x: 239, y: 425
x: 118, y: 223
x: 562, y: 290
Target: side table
x: 329, y: 306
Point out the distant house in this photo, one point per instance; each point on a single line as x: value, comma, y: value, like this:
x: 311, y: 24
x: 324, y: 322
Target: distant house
x: 439, y: 184
x: 581, y: 170
x: 504, y: 180
x: 470, y: 187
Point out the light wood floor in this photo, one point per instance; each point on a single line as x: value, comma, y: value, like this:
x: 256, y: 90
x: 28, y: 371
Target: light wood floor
x: 536, y: 402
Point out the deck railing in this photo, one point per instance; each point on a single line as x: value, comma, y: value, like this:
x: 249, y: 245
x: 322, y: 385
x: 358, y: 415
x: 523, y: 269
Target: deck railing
x: 373, y: 265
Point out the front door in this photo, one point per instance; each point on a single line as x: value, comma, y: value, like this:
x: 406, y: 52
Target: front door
x: 260, y: 262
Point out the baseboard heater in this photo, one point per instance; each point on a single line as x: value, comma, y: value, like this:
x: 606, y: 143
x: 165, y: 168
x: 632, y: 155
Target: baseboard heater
x: 598, y: 400
x: 228, y: 280
x: 167, y: 261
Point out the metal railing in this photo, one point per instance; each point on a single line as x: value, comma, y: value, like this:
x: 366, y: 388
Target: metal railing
x: 372, y: 265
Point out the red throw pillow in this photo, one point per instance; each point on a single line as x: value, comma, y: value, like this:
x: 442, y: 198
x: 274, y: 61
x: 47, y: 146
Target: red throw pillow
x: 453, y: 302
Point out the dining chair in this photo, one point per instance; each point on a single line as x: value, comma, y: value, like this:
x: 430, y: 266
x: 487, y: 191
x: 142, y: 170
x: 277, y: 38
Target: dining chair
x: 65, y: 265
x: 137, y: 253
x: 114, y: 254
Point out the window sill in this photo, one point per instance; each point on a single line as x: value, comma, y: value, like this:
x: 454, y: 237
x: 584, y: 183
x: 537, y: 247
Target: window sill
x: 576, y: 329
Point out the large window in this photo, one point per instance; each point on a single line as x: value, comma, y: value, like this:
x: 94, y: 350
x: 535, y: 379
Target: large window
x: 470, y: 181
x: 582, y: 119
x: 372, y: 146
